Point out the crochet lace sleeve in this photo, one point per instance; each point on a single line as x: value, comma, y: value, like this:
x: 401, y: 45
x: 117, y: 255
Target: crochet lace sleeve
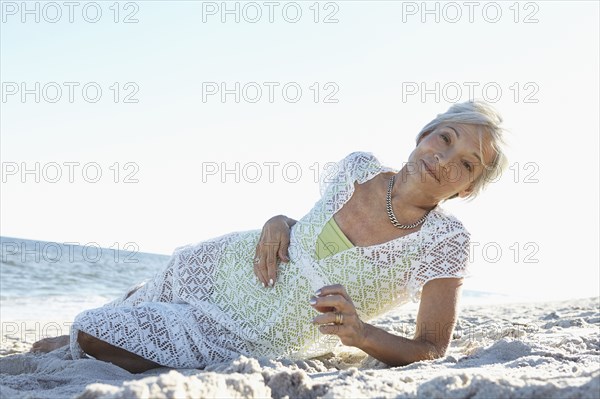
x: 347, y: 170
x: 446, y: 256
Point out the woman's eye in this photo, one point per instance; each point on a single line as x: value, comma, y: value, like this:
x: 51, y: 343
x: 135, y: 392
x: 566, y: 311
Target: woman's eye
x: 468, y: 166
x: 446, y: 139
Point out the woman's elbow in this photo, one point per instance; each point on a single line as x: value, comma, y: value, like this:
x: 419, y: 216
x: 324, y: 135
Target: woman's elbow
x: 429, y: 351
x: 432, y: 351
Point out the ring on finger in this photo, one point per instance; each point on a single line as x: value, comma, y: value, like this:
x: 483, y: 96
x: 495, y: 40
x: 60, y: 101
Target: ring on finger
x: 339, y: 319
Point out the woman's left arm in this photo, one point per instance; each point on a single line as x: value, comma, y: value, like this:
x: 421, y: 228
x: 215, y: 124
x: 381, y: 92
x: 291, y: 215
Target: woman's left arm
x: 435, y: 323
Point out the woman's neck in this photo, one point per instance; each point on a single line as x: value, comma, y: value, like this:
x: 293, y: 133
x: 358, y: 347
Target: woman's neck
x: 407, y: 194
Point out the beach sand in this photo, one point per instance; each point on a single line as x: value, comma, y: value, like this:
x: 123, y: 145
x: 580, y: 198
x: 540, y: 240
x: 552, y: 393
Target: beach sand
x: 515, y: 350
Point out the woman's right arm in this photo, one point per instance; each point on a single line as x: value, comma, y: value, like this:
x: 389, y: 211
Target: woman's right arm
x: 273, y: 243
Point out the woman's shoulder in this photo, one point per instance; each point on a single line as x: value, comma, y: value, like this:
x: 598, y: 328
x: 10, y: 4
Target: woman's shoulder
x: 362, y: 165
x: 441, y: 221
x: 360, y: 158
x: 356, y: 166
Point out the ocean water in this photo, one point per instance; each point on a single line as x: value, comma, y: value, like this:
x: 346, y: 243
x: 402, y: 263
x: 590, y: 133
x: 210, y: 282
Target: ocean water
x: 48, y: 281
x: 42, y: 280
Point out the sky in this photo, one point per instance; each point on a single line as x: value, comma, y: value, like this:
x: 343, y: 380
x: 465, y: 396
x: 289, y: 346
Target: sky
x: 154, y: 124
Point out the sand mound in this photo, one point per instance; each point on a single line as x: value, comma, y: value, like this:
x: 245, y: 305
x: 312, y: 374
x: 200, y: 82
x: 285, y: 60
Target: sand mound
x: 549, y: 350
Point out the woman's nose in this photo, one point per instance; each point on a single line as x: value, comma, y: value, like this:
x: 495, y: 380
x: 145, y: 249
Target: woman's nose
x: 440, y: 159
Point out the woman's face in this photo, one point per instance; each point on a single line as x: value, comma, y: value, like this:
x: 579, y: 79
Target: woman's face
x: 449, y: 160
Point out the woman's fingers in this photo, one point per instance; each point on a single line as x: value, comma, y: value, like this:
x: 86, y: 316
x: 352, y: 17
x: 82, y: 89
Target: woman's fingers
x: 271, y: 263
x: 334, y: 329
x: 260, y: 269
x: 283, y: 250
x: 325, y: 318
x: 336, y: 302
x: 336, y: 289
x: 266, y: 268
x: 339, y: 316
x: 256, y: 262
x: 331, y: 323
x: 273, y: 245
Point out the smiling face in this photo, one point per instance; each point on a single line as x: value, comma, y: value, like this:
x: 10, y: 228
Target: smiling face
x: 450, y: 159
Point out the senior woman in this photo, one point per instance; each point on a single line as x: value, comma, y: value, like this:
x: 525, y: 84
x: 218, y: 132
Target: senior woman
x: 376, y: 239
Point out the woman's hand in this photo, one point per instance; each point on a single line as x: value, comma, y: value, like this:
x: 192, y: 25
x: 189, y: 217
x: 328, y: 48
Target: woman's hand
x: 339, y: 315
x: 274, y: 242
x: 434, y: 325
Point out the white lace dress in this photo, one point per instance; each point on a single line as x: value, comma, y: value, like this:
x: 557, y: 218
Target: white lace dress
x: 207, y: 306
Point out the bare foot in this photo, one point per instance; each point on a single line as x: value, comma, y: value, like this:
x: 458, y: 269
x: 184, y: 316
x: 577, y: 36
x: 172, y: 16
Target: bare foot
x: 49, y: 344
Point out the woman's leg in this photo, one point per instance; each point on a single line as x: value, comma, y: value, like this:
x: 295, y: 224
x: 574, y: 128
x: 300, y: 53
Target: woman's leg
x: 108, y: 353
x: 138, y: 337
x: 100, y: 350
x: 46, y: 345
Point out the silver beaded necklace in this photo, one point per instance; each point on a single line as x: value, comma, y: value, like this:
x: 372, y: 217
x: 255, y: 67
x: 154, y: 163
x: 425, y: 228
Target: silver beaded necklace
x: 390, y: 211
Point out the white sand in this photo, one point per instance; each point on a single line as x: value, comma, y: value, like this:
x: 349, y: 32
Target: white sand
x: 541, y: 350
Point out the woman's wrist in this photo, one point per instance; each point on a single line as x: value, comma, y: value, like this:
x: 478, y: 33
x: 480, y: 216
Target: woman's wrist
x: 290, y: 222
x: 394, y: 350
x: 365, y: 343
x: 287, y: 220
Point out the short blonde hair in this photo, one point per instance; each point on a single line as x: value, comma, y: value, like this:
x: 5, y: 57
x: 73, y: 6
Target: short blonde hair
x: 483, y: 115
